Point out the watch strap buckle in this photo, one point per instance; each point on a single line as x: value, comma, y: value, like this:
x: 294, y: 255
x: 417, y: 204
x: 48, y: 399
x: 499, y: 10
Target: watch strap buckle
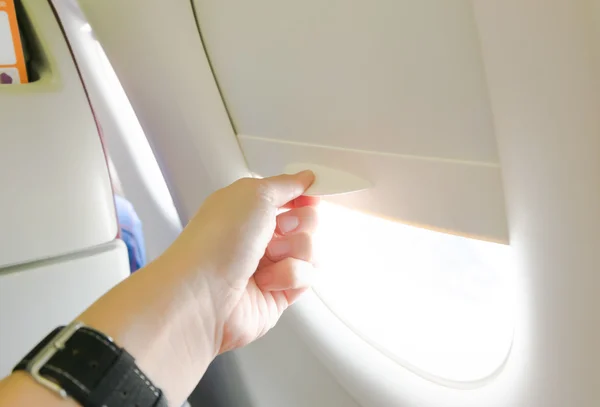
x: 56, y: 344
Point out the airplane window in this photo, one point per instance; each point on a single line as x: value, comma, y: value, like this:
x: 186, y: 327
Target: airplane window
x: 439, y: 304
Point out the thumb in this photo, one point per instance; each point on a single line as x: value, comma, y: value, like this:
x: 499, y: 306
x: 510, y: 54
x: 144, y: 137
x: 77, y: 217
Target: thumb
x: 285, y: 188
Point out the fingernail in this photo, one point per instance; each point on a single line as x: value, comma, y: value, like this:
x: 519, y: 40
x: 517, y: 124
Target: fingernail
x: 288, y: 223
x: 278, y: 248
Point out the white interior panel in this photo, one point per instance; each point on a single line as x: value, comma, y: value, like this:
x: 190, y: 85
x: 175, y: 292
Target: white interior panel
x: 423, y: 192
x: 394, y: 77
x: 545, y: 92
x: 275, y: 375
x: 158, y: 56
x: 36, y: 298
x: 400, y: 76
x: 57, y: 196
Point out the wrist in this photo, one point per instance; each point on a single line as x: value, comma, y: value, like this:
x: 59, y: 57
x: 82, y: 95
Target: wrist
x: 156, y: 316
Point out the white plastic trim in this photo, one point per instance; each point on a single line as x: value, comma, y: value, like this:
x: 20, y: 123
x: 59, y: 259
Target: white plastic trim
x: 374, y: 379
x: 36, y: 298
x: 158, y: 55
x: 124, y: 138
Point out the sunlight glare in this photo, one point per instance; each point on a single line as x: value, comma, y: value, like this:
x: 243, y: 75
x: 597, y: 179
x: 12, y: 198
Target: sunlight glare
x: 437, y: 303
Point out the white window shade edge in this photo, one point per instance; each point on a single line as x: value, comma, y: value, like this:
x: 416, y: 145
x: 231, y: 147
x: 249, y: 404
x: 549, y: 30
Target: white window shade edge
x: 462, y: 198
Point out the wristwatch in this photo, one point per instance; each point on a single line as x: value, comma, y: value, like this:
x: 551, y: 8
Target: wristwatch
x: 82, y: 363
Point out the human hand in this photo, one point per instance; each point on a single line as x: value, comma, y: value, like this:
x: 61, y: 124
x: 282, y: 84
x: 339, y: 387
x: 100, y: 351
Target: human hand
x: 225, y: 281
x: 256, y: 260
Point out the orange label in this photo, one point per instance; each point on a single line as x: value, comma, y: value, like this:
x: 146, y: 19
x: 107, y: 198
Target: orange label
x: 12, y: 60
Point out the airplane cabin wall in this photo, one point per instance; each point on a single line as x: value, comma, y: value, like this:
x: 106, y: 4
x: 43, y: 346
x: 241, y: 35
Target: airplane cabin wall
x: 540, y: 83
x: 540, y: 97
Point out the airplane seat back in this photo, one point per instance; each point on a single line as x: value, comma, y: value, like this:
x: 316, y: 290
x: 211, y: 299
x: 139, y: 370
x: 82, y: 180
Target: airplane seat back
x: 58, y: 229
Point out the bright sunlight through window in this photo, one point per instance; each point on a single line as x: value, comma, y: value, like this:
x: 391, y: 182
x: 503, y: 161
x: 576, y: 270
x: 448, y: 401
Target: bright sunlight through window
x: 439, y: 304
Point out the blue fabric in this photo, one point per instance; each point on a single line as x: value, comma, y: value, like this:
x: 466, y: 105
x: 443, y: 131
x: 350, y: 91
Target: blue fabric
x: 131, y: 233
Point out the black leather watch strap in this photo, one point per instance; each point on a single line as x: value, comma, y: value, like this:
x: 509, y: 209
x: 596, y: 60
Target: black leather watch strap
x: 96, y: 372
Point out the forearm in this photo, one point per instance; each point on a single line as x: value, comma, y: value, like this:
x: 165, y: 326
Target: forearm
x: 161, y: 316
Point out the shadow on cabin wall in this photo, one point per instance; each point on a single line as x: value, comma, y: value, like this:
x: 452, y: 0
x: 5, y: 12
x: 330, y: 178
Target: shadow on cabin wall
x: 221, y: 386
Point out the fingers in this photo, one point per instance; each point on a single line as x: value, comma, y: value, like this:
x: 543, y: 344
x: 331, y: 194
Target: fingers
x: 287, y: 265
x: 297, y: 220
x: 293, y: 295
x: 298, y: 246
x: 288, y: 274
x: 282, y: 189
